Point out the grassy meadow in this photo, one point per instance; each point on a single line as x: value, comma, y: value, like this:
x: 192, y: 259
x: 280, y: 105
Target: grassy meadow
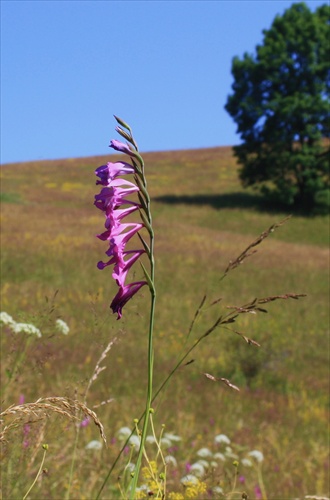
x: 202, y: 220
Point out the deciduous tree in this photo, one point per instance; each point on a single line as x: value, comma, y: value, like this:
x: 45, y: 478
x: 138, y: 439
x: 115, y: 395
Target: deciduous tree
x: 280, y: 102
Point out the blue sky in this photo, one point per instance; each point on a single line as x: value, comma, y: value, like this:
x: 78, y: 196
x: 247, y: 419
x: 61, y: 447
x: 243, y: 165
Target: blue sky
x: 164, y: 67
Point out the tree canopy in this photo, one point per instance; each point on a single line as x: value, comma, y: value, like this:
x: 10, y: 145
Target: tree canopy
x: 280, y: 102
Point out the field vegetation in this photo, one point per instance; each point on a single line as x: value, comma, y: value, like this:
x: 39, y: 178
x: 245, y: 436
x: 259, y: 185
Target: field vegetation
x: 202, y: 220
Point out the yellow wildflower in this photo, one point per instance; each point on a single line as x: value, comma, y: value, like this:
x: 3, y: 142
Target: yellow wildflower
x: 193, y: 490
x: 175, y: 496
x: 150, y: 470
x: 140, y: 494
x: 201, y: 487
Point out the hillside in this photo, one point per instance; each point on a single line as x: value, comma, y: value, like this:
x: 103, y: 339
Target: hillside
x: 202, y: 219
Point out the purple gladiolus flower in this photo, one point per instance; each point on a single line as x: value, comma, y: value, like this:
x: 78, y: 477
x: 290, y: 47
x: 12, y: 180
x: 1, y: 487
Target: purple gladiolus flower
x: 122, y: 147
x: 117, y: 243
x: 110, y: 171
x: 119, y: 273
x: 117, y: 237
x: 112, y: 197
x: 113, y: 219
x: 125, y: 293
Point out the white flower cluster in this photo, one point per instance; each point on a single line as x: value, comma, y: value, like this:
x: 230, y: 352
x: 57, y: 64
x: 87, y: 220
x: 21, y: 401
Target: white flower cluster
x: 5, y: 319
x: 165, y: 442
x: 206, y: 458
x: 222, y: 438
x: 189, y: 479
x: 62, y: 327
x: 94, y: 445
x: 28, y: 328
x: 258, y: 455
x: 124, y: 433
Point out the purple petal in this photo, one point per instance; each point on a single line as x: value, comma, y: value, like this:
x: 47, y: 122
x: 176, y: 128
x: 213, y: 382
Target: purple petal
x: 110, y: 171
x: 122, y: 147
x: 124, y: 294
x: 118, y: 241
x: 101, y: 265
x: 113, y: 196
x: 115, y: 216
x: 117, y: 236
x: 119, y: 273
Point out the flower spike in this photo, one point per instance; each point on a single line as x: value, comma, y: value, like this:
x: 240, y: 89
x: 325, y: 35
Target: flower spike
x: 115, y: 202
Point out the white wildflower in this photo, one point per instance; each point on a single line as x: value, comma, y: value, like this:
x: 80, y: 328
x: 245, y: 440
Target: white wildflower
x: 222, y: 438
x: 204, y: 452
x: 204, y: 463
x: 150, y: 439
x: 197, y: 469
x: 94, y: 445
x: 217, y: 489
x: 169, y: 459
x: 189, y: 478
x: 214, y: 464
x: 6, y: 319
x: 130, y: 467
x: 219, y: 456
x: 134, y: 441
x: 258, y: 455
x: 62, y: 327
x: 123, y: 433
x: 165, y: 442
x: 26, y: 328
x: 143, y: 488
x: 229, y: 453
x: 246, y: 462
x: 172, y: 437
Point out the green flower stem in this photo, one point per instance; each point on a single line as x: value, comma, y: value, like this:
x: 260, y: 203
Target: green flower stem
x: 157, y: 441
x: 150, y: 365
x: 45, y: 448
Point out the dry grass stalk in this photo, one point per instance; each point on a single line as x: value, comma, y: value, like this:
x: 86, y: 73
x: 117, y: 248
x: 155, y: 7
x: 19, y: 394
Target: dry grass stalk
x: 315, y: 497
x: 40, y: 410
x: 37, y: 444
x: 247, y: 253
x: 104, y: 403
x: 221, y: 379
x: 252, y: 307
x: 247, y: 339
x: 198, y: 310
x: 98, y: 369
